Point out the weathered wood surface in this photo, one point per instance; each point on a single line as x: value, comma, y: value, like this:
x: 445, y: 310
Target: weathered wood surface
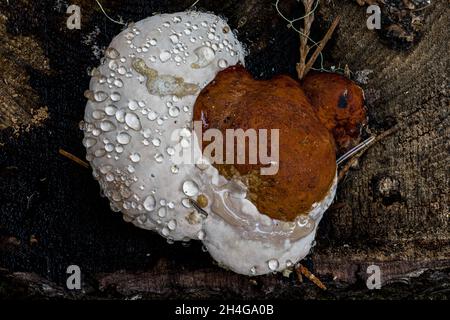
x: 391, y: 210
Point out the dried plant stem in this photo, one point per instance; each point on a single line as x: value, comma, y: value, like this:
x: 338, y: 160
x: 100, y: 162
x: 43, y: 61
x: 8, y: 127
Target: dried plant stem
x: 343, y: 172
x: 304, y: 65
x: 350, y: 153
x: 75, y: 159
x: 107, y: 16
x: 322, y: 44
x: 194, y: 4
x: 301, y: 270
x: 304, y: 36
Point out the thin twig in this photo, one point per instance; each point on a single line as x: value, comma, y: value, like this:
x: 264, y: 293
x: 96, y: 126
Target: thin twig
x: 349, y: 164
x: 356, y: 156
x: 73, y: 158
x: 322, y: 45
x: 424, y: 7
x: 355, y: 150
x: 194, y: 4
x: 293, y: 27
x: 106, y: 15
x: 291, y: 21
x: 304, y: 36
x: 304, y: 65
x: 386, y: 133
x: 304, y: 271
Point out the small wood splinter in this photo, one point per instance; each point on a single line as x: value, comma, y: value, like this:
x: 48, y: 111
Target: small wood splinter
x: 75, y: 159
x: 302, y: 270
x: 355, y: 153
x: 198, y: 208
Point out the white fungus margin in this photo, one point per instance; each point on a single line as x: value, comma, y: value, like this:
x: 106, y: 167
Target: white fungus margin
x: 139, y: 116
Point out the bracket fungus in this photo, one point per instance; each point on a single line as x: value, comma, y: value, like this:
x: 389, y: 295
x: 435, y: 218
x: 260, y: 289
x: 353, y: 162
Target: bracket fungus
x: 339, y: 104
x: 157, y: 77
x: 270, y: 220
x: 139, y: 112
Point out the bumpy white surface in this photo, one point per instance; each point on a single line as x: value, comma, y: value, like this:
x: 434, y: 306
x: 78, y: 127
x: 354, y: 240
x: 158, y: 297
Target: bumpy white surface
x: 128, y: 130
x: 249, y: 254
x: 134, y: 131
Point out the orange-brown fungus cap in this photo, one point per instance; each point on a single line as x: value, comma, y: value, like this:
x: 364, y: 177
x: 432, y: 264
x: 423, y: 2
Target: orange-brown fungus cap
x: 339, y: 104
x: 307, y: 161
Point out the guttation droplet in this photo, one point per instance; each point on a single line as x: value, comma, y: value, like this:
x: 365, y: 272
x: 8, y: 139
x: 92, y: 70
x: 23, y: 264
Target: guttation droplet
x: 162, y: 212
x: 109, y: 147
x: 115, y: 96
x: 156, y: 142
x: 152, y: 115
x: 174, y: 112
x: 110, y: 110
x: 120, y: 115
x: 121, y: 70
x: 107, y: 126
x: 172, y: 224
x: 100, y: 96
x: 190, y: 188
x: 159, y: 157
x: 123, y: 138
x: 170, y: 151
x: 133, y: 105
x: 186, y: 203
x: 222, y: 63
x: 164, y: 56
x: 118, y: 83
x: 99, y: 153
x: 135, y: 157
x: 302, y: 221
x: 112, y: 53
x: 273, y: 264
x: 149, y: 203
x: 89, y: 142
x: 133, y: 121
x: 205, y: 55
x: 174, y: 38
